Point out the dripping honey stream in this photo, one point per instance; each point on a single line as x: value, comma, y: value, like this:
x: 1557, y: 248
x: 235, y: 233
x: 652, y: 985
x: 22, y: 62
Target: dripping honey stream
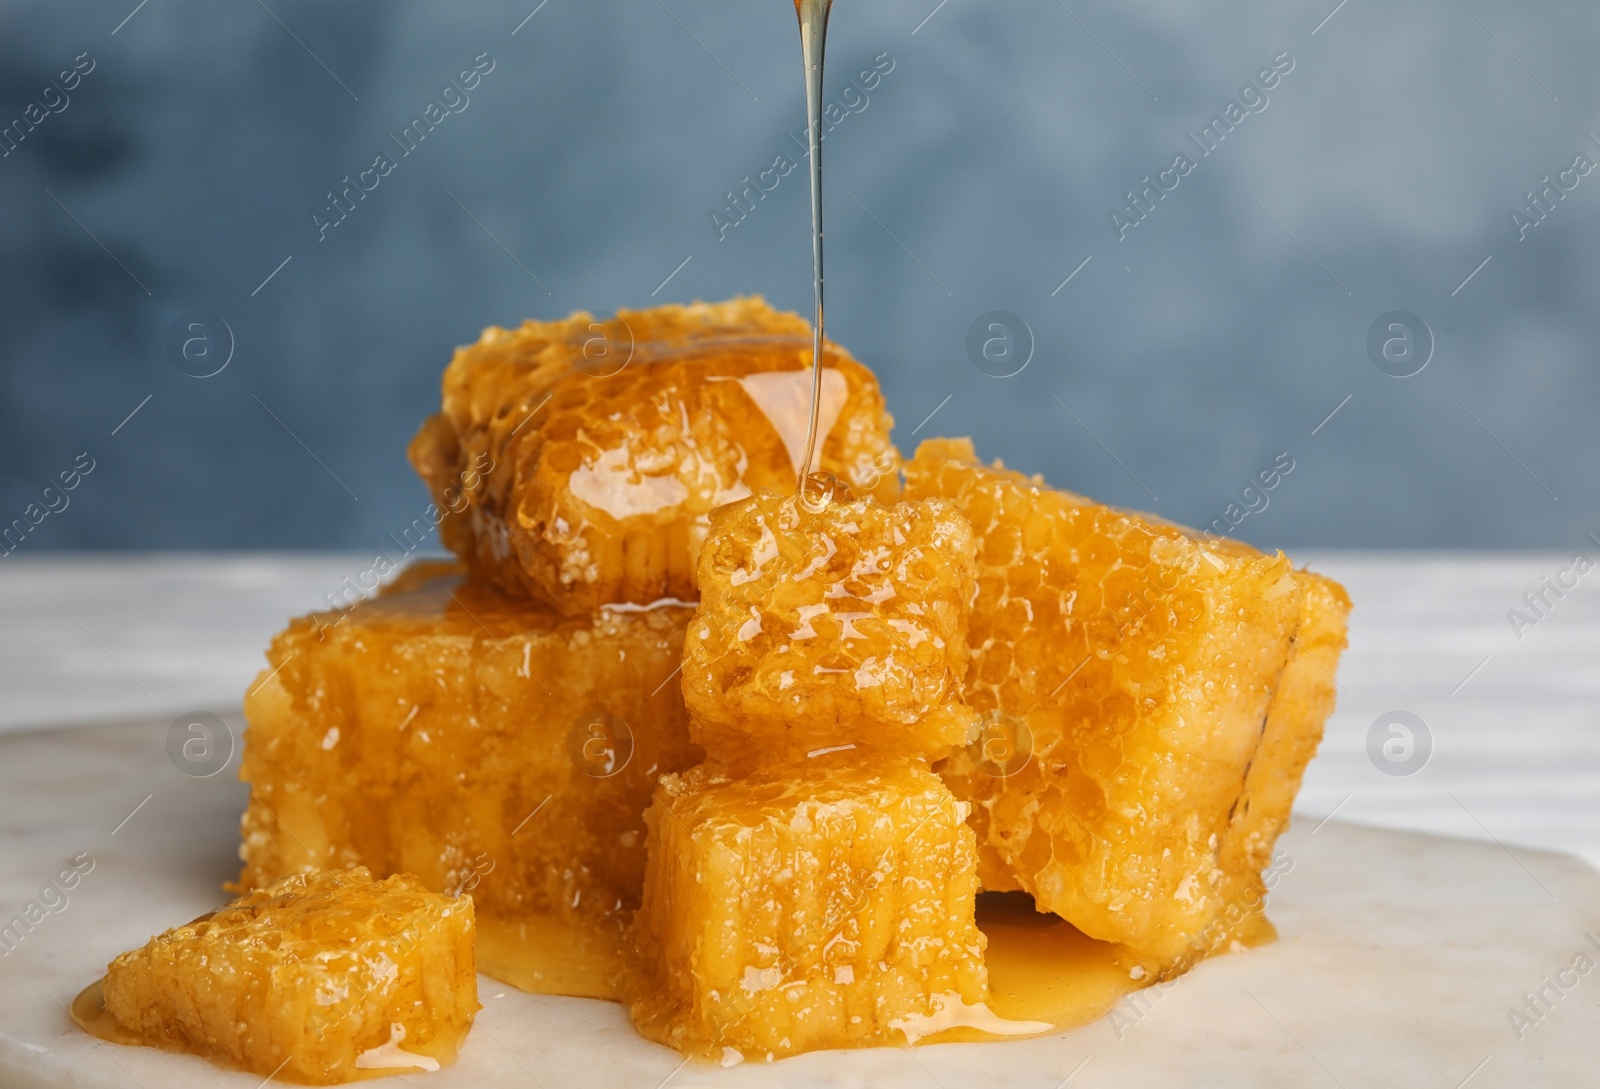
x: 813, y: 16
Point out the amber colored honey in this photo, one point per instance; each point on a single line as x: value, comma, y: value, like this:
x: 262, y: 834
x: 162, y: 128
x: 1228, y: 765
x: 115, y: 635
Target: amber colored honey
x: 90, y: 1014
x: 1041, y: 968
x: 552, y: 955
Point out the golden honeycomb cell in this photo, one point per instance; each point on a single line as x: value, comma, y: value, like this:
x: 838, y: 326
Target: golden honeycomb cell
x: 823, y: 905
x: 1165, y: 690
x: 316, y: 978
x: 563, y: 478
x: 844, y: 625
x: 483, y: 743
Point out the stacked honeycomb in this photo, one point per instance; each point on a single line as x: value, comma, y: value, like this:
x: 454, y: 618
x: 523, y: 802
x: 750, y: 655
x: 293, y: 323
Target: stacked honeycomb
x: 314, y: 978
x: 813, y: 884
x: 604, y: 445
x: 1150, y: 700
x: 500, y: 735
x: 1119, y: 709
x: 484, y: 744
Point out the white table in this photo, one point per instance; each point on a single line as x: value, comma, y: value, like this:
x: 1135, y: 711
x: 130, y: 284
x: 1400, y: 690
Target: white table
x: 1515, y: 722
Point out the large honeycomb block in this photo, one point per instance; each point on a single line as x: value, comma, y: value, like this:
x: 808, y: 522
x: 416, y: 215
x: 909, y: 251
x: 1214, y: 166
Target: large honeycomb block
x: 484, y: 744
x: 564, y: 478
x: 317, y: 978
x: 1150, y: 700
x: 819, y: 906
x: 840, y: 625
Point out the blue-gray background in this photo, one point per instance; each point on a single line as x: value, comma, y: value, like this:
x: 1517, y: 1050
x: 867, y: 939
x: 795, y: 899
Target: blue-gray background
x: 1173, y: 367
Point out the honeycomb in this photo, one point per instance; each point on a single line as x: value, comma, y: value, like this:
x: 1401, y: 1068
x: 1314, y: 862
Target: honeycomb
x: 316, y: 978
x: 839, y: 625
x: 828, y: 904
x: 562, y: 478
x: 484, y: 744
x: 1302, y: 703
x: 1157, y: 697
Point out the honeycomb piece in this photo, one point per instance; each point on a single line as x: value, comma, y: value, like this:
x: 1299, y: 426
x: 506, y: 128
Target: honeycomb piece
x: 1302, y: 703
x: 317, y: 978
x: 1154, y: 705
x: 565, y: 479
x: 843, y: 626
x: 823, y: 905
x: 482, y: 743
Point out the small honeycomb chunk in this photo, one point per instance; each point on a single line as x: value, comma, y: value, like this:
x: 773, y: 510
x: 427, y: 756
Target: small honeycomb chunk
x: 317, y: 978
x: 483, y: 743
x: 843, y: 625
x: 819, y: 906
x: 568, y: 479
x: 1157, y: 696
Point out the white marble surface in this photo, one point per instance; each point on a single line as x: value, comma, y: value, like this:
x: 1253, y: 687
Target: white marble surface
x: 1516, y: 748
x: 99, y: 638
x: 1398, y: 959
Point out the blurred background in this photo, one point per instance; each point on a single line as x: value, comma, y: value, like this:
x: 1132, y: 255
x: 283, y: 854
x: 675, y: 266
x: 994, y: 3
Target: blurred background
x: 1188, y: 329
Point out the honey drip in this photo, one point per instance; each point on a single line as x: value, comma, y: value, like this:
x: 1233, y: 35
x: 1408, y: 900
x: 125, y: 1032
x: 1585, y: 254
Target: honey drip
x: 89, y: 1013
x: 1041, y: 968
x: 551, y: 955
x: 813, y: 15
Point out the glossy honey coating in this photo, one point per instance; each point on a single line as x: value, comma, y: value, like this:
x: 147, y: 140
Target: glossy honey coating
x: 483, y: 743
x: 301, y: 978
x: 839, y: 625
x: 1148, y: 708
x: 567, y: 479
x: 823, y: 905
